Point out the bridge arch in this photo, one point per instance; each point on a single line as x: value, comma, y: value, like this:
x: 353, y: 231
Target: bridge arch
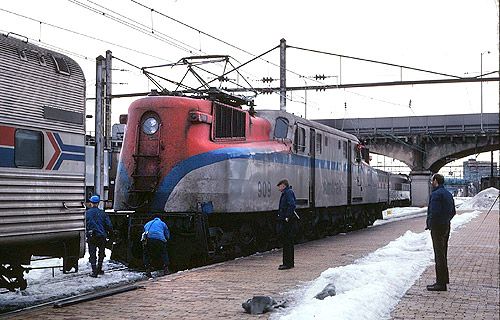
x: 425, y: 143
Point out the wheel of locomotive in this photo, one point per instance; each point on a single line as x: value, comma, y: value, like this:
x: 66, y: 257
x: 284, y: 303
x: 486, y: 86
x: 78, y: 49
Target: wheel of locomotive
x: 22, y: 283
x: 263, y: 236
x: 247, y: 238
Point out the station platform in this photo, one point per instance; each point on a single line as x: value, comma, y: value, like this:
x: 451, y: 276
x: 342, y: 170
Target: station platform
x: 217, y: 291
x: 474, y: 289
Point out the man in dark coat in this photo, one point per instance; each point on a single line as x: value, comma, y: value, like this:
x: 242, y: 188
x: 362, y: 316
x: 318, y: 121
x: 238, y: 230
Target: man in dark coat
x: 287, y: 220
x: 440, y: 211
x: 98, y: 227
x: 156, y: 234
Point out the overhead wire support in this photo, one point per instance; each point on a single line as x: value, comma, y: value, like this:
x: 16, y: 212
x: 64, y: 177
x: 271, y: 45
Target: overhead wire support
x: 244, y: 64
x: 374, y: 61
x: 372, y: 84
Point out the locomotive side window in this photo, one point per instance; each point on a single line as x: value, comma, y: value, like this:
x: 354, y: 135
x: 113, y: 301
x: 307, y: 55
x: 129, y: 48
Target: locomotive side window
x: 344, y: 149
x: 319, y: 145
x: 229, y: 122
x: 28, y: 149
x: 300, y: 139
x: 281, y: 128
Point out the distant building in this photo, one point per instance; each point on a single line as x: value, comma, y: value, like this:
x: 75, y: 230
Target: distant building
x: 110, y: 162
x: 457, y: 186
x: 117, y: 133
x: 475, y: 170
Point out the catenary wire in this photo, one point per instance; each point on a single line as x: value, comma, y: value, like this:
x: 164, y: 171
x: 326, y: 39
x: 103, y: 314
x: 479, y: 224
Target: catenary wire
x: 84, y: 35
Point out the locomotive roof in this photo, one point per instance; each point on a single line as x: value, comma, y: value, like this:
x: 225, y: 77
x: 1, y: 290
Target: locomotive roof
x: 273, y: 114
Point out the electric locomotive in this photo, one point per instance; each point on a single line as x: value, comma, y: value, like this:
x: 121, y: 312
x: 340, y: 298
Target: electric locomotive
x: 211, y: 167
x: 42, y: 158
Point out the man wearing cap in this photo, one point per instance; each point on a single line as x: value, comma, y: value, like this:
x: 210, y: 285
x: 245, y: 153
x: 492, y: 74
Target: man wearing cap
x: 98, y: 227
x: 286, y: 223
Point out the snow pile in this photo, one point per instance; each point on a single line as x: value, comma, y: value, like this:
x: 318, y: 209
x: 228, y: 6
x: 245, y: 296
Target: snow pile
x: 372, y: 286
x: 484, y: 200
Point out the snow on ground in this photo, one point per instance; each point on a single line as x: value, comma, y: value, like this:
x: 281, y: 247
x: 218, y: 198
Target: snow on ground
x: 42, y: 287
x: 372, y: 286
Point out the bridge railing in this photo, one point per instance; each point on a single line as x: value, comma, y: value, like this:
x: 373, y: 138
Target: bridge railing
x: 398, y: 126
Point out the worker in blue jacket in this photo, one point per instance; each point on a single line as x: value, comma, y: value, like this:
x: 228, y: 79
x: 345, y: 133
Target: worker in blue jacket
x: 98, y: 228
x: 287, y: 220
x: 155, y: 237
x: 440, y: 211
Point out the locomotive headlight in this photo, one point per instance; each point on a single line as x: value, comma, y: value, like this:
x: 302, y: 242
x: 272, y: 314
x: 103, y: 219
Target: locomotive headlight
x: 150, y: 126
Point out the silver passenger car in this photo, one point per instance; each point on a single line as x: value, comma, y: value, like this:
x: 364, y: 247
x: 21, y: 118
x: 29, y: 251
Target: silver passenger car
x: 42, y: 158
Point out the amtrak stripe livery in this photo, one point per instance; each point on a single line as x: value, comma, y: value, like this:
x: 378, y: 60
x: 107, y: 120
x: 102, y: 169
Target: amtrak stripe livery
x: 57, y: 151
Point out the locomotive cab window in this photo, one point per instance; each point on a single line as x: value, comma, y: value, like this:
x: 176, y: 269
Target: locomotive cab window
x: 281, y: 128
x: 230, y: 123
x: 300, y: 139
x: 28, y: 150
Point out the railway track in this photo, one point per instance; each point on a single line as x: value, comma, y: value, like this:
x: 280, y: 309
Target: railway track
x: 87, y: 296
x: 46, y: 291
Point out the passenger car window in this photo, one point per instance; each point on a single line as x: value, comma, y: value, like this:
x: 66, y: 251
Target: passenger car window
x: 28, y: 149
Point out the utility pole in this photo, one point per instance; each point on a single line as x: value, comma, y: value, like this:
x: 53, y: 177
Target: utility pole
x: 283, y: 75
x: 107, y: 133
x: 481, y: 77
x: 99, y: 121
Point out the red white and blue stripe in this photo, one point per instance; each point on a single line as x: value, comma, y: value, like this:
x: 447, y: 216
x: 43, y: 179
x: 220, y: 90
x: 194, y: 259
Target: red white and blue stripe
x: 62, y: 151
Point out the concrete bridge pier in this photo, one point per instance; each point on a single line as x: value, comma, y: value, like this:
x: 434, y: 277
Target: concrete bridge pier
x: 420, y: 188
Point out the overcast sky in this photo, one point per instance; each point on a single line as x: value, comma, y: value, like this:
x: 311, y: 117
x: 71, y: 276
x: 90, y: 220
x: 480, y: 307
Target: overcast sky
x: 446, y: 36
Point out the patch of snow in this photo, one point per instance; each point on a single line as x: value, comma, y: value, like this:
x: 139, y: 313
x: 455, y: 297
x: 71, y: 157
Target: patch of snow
x: 372, y: 286
x: 484, y: 200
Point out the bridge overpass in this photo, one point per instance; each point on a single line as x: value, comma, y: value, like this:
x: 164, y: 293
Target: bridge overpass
x: 424, y: 143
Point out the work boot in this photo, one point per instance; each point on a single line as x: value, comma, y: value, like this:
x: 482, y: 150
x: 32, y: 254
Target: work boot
x: 94, y: 272
x: 166, y: 270
x: 148, y: 273
x: 437, y: 287
x: 99, y: 269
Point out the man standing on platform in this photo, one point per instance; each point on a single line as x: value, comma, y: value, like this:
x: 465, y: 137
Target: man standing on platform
x: 440, y: 211
x: 287, y: 223
x: 98, y: 227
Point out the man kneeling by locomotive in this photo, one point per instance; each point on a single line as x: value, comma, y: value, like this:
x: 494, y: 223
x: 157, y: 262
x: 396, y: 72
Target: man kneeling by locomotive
x: 98, y: 227
x: 154, y: 240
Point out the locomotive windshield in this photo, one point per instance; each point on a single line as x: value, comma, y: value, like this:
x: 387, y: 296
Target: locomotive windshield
x: 281, y: 128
